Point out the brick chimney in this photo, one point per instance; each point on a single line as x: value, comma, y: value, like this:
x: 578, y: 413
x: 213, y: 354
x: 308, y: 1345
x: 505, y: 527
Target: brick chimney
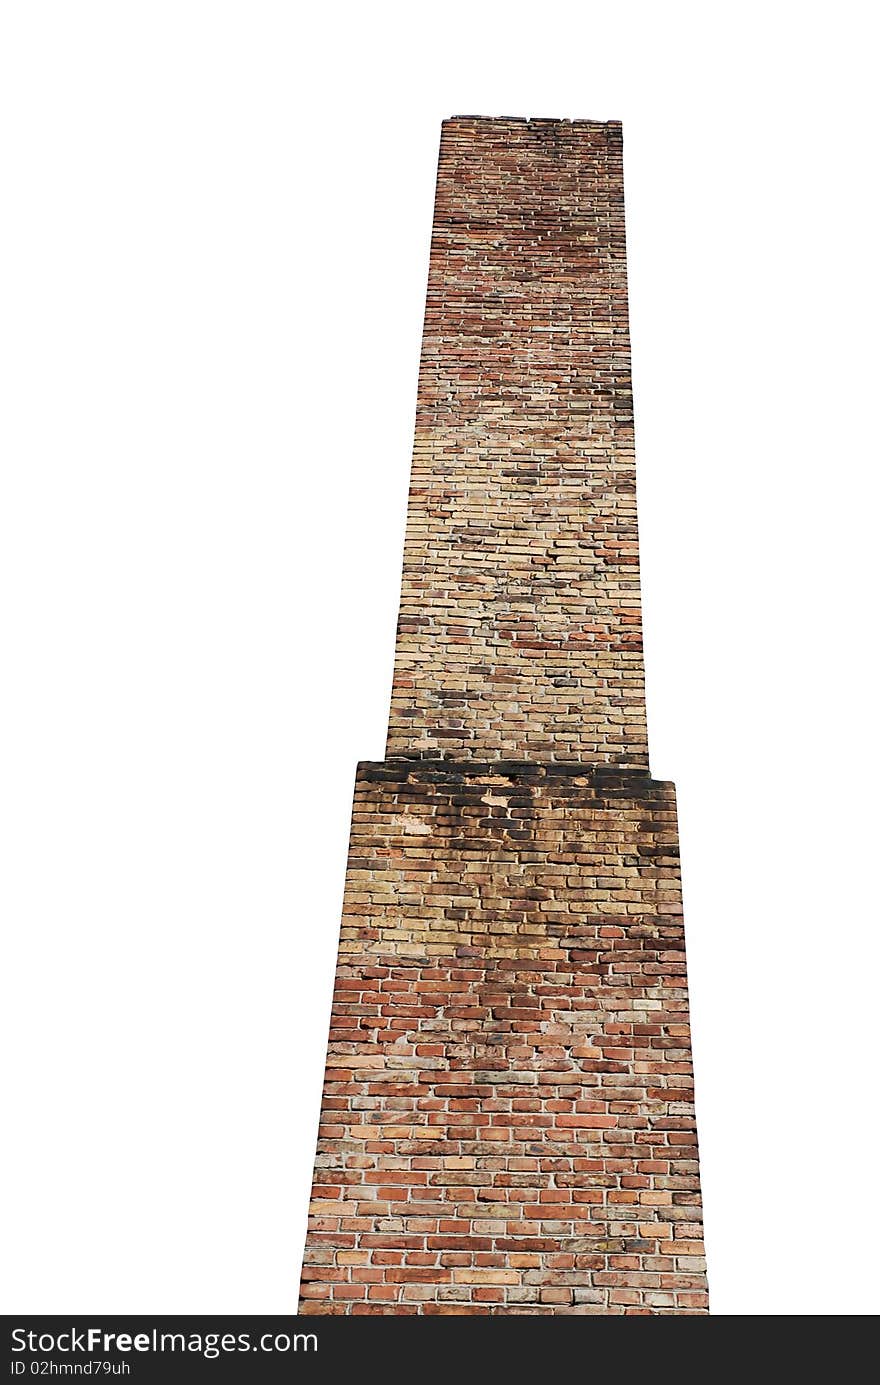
x: 507, y: 1123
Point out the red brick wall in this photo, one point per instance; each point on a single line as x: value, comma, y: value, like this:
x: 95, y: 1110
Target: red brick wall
x: 520, y: 626
x: 507, y: 1123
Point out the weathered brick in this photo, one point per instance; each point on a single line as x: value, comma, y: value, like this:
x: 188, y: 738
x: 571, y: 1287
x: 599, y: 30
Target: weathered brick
x: 508, y: 1122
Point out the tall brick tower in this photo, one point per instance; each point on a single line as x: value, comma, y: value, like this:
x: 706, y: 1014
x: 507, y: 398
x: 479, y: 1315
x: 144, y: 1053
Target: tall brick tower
x: 507, y: 1122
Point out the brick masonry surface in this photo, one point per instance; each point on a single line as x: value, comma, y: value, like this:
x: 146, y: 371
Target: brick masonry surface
x: 507, y: 1124
x: 520, y: 627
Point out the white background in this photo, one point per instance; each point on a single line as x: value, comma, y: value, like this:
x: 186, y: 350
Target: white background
x: 215, y: 229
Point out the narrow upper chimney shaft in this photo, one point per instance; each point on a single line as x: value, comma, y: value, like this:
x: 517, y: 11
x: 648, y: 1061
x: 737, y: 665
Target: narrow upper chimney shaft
x: 520, y: 623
